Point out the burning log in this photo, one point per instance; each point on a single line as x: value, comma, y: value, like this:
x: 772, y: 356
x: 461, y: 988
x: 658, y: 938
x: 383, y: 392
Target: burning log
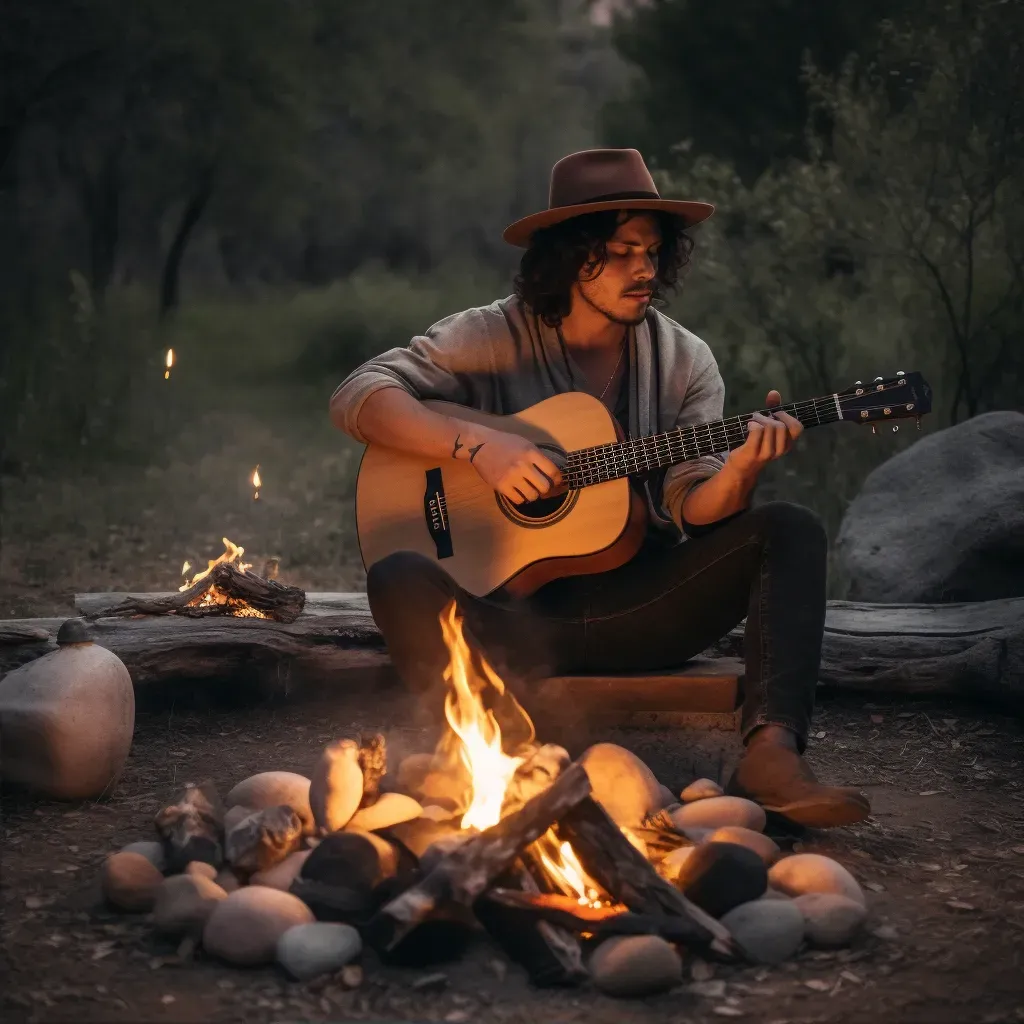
x: 620, y: 869
x: 550, y: 953
x: 601, y: 922
x: 224, y: 590
x: 462, y: 875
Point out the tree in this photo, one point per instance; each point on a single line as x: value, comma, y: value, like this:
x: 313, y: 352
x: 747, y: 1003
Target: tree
x: 727, y: 75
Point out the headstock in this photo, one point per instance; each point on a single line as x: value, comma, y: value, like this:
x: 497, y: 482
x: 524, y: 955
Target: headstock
x: 886, y: 398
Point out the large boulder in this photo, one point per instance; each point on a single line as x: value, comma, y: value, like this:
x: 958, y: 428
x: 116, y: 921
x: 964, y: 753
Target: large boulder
x: 67, y: 719
x: 942, y: 520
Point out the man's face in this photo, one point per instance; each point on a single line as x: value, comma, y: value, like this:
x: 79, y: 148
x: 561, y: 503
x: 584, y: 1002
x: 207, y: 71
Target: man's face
x: 622, y: 289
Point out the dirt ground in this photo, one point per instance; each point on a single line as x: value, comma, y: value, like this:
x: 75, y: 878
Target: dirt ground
x: 941, y: 859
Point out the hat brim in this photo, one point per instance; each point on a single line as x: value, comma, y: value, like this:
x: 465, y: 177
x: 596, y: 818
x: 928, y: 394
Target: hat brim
x: 522, y: 230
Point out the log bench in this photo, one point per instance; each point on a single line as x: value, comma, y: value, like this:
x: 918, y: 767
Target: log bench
x: 968, y: 649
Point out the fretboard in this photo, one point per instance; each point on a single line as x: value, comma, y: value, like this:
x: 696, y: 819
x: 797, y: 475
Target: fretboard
x: 587, y: 466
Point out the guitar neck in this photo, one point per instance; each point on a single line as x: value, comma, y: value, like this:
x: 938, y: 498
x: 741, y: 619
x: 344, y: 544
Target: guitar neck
x: 587, y: 466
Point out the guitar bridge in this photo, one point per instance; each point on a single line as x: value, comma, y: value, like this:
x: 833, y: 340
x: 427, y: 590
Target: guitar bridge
x: 435, y: 511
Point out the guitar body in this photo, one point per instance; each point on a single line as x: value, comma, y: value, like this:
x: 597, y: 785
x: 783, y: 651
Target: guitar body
x: 443, y: 510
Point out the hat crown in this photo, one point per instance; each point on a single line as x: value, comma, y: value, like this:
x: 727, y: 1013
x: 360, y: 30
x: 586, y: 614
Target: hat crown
x: 596, y: 174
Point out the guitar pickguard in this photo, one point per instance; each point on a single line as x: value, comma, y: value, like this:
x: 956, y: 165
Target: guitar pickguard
x: 435, y: 511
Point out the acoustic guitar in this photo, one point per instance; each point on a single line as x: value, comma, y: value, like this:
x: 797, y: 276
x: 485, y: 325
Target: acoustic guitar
x: 445, y: 511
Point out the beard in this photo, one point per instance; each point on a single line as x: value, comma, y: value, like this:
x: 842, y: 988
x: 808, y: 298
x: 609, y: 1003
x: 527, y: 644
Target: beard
x: 627, y: 320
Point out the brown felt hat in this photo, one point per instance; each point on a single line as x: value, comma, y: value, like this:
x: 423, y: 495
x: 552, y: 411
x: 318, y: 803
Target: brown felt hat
x: 601, y: 179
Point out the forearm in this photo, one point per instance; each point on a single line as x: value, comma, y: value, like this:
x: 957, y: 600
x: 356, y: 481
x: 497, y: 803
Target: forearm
x: 721, y: 495
x: 393, y: 418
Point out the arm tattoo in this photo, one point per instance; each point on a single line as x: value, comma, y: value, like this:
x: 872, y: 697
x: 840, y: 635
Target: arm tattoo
x: 474, y: 450
x: 458, y: 445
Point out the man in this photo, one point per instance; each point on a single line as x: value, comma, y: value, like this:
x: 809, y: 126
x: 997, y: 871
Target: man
x: 582, y: 319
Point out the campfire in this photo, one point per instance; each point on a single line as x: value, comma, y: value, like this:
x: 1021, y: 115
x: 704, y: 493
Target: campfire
x: 492, y: 829
x: 224, y: 598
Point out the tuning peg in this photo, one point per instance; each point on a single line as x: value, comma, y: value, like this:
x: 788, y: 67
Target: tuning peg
x: 899, y: 373
x: 877, y: 379
x: 858, y: 382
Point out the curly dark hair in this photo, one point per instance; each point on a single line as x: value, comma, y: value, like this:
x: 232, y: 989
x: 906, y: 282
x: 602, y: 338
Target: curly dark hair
x: 557, y: 254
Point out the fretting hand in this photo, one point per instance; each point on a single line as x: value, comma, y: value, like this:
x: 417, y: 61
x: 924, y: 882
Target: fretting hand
x: 768, y: 438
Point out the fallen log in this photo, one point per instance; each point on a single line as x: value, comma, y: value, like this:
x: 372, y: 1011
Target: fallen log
x: 968, y: 649
x: 462, y: 875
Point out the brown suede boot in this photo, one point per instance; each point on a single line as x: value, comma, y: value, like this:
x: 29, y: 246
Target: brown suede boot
x: 782, y: 782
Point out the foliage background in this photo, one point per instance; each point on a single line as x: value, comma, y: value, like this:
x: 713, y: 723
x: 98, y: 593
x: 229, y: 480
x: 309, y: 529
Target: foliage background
x: 277, y: 190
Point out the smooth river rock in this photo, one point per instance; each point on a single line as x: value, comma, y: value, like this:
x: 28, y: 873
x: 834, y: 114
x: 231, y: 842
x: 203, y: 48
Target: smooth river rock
x: 830, y: 919
x: 237, y: 814
x: 635, y: 965
x: 672, y: 863
x: 281, y: 876
x: 130, y: 881
x: 67, y: 719
x: 271, y: 789
x: 201, y: 869
x: 811, y: 872
x: 336, y: 786
x: 720, y: 876
x: 184, y: 904
x: 769, y: 931
x: 701, y: 789
x: 245, y: 927
x: 390, y: 809
x: 622, y: 783
x: 717, y: 811
x: 766, y: 848
x: 309, y: 950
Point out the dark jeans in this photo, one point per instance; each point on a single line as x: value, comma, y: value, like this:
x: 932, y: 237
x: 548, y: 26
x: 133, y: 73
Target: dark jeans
x: 656, y: 612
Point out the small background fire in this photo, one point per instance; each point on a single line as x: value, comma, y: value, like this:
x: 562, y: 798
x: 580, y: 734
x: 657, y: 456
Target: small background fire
x: 576, y: 869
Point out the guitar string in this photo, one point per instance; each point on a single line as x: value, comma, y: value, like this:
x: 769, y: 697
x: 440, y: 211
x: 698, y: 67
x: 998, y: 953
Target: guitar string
x: 597, y: 462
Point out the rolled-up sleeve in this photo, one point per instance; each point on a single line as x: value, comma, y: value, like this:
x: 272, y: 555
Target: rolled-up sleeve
x: 447, y: 363
x: 703, y: 403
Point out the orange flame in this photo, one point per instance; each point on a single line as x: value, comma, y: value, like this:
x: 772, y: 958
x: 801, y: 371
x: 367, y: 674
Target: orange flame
x: 490, y: 769
x: 256, y: 482
x: 168, y: 362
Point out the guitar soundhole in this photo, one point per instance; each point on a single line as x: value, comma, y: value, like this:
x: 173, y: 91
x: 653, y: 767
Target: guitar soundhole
x: 543, y: 508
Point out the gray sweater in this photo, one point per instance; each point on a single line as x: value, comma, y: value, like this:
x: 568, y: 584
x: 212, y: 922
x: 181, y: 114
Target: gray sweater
x: 502, y: 358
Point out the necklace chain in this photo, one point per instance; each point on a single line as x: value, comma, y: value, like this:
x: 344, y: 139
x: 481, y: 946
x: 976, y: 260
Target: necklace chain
x: 618, y: 363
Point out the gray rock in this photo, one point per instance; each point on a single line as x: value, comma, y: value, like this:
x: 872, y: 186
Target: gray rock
x: 309, y: 950
x: 271, y: 789
x: 152, y: 850
x: 389, y: 809
x: 66, y: 722
x: 622, y: 783
x: 811, y: 872
x: 761, y: 844
x: 184, y: 903
x: 829, y: 919
x: 130, y: 881
x: 943, y: 520
x: 717, y: 811
x: 237, y: 814
x: 635, y: 965
x: 336, y: 787
x: 769, y: 931
x: 701, y: 789
x: 245, y: 927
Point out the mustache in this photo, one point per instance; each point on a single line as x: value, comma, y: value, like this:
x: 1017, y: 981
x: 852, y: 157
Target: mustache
x: 647, y: 289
